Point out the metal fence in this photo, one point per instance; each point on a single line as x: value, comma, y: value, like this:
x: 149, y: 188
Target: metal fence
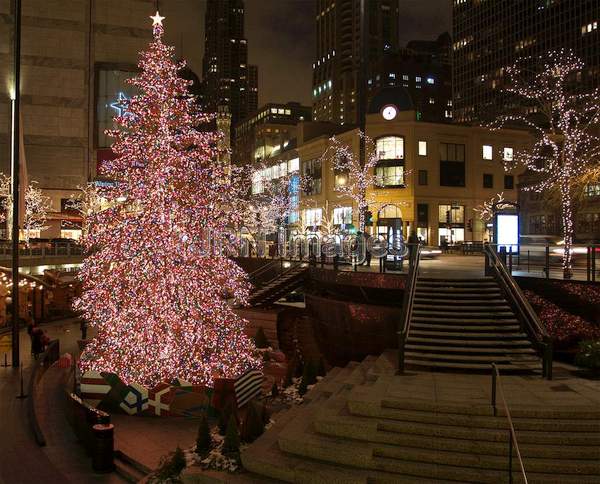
x: 42, y: 249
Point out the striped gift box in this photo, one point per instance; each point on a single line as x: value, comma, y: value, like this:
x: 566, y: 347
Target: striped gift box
x: 94, y: 388
x: 65, y: 361
x: 248, y: 386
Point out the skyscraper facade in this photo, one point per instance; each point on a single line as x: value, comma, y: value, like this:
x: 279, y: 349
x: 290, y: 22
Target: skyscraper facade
x: 227, y: 78
x: 489, y: 36
x: 336, y: 69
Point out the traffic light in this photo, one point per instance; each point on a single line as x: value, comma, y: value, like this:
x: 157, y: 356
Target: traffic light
x: 470, y: 225
x: 369, y: 218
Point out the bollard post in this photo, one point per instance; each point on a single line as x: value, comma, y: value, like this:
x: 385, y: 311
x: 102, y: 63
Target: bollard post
x: 103, y: 450
x: 21, y: 395
x: 5, y: 365
x: 547, y: 262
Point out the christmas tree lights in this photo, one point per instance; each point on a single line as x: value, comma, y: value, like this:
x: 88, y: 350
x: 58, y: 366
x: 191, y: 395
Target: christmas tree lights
x: 564, y: 123
x: 156, y: 283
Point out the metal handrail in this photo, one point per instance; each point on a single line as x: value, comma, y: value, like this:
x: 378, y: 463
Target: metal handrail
x: 261, y: 270
x: 407, y: 306
x: 512, y: 439
x: 528, y: 317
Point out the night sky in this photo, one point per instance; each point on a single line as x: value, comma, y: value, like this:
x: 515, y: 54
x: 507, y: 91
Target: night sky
x: 281, y: 38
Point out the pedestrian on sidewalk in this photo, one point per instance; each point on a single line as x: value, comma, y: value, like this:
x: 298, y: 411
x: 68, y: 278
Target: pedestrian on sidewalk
x: 37, y: 343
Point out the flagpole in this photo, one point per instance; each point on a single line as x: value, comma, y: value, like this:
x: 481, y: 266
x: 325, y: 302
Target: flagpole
x: 16, y: 136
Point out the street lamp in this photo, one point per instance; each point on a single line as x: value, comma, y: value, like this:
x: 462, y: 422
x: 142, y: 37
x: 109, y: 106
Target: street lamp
x: 15, y: 164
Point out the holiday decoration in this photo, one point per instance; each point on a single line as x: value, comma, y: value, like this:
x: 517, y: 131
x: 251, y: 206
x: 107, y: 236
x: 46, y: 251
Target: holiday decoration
x: 564, y: 123
x: 37, y: 206
x: 486, y: 209
x: 156, y: 284
x: 354, y: 178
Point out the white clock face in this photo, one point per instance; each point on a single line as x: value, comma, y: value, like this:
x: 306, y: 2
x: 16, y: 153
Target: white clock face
x: 389, y: 112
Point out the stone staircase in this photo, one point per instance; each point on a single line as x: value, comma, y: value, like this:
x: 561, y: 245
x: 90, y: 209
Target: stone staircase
x: 465, y: 325
x: 363, y: 424
x: 280, y: 286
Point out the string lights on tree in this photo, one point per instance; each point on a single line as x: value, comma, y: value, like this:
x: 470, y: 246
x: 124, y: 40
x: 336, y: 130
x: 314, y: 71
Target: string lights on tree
x: 564, y: 123
x: 156, y: 284
x: 353, y: 179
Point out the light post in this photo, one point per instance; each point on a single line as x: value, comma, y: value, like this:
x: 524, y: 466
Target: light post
x: 16, y: 137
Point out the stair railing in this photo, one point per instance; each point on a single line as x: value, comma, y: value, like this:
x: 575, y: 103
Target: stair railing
x: 255, y: 275
x: 529, y: 320
x: 513, y: 445
x: 407, y: 305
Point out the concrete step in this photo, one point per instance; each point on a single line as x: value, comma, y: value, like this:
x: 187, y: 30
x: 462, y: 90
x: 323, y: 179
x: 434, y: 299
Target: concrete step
x: 452, y: 319
x: 443, y: 296
x: 465, y: 333
x: 440, y: 313
x: 437, y: 434
x: 512, y: 367
x: 450, y: 326
x: 482, y: 359
x: 444, y: 289
x: 462, y: 309
x: 468, y: 343
x: 486, y: 303
x: 471, y: 350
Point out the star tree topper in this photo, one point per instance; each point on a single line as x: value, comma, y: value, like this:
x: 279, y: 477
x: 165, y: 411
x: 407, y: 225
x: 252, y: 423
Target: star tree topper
x: 157, y: 19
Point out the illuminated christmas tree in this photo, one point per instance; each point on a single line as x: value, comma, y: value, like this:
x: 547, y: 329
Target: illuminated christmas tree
x: 156, y: 284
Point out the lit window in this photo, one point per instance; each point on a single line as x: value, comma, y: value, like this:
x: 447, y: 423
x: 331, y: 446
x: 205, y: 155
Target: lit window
x: 431, y: 100
x: 508, y: 154
x: 313, y: 217
x: 281, y: 111
x: 392, y: 75
x: 389, y: 176
x: 294, y: 165
x: 430, y: 80
x: 390, y: 148
x: 422, y: 148
x: 418, y: 78
x: 342, y: 215
x: 273, y: 110
x: 288, y: 111
x: 488, y: 152
x: 405, y: 77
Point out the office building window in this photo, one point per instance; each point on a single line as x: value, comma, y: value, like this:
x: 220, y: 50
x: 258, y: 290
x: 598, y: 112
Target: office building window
x: 452, y: 165
x: 389, y: 174
x: 390, y: 148
x: 313, y: 174
x: 488, y: 180
x: 342, y: 215
x: 422, y: 148
x: 422, y: 177
x: 487, y: 152
x: 451, y: 214
x: 508, y: 154
x: 509, y: 182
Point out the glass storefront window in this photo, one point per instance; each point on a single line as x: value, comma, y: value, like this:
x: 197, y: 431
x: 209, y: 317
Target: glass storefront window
x: 389, y: 176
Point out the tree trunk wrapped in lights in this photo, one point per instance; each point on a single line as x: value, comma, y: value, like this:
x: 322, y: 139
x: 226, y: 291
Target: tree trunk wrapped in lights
x: 564, y: 123
x: 156, y: 285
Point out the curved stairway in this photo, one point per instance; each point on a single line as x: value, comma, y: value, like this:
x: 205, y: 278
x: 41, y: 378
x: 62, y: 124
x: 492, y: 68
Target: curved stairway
x: 363, y: 424
x: 465, y: 325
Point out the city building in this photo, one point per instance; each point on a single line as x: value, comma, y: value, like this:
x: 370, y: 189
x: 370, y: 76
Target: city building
x: 268, y: 131
x: 227, y: 78
x: 423, y: 69
x: 489, y: 36
x: 431, y: 176
x: 338, y: 53
x: 541, y: 215
x: 75, y: 59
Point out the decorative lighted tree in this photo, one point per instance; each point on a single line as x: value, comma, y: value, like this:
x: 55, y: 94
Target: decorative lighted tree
x: 486, y: 209
x: 86, y: 202
x: 565, y: 124
x: 156, y: 285
x: 36, y: 209
x: 37, y: 206
x: 353, y: 179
